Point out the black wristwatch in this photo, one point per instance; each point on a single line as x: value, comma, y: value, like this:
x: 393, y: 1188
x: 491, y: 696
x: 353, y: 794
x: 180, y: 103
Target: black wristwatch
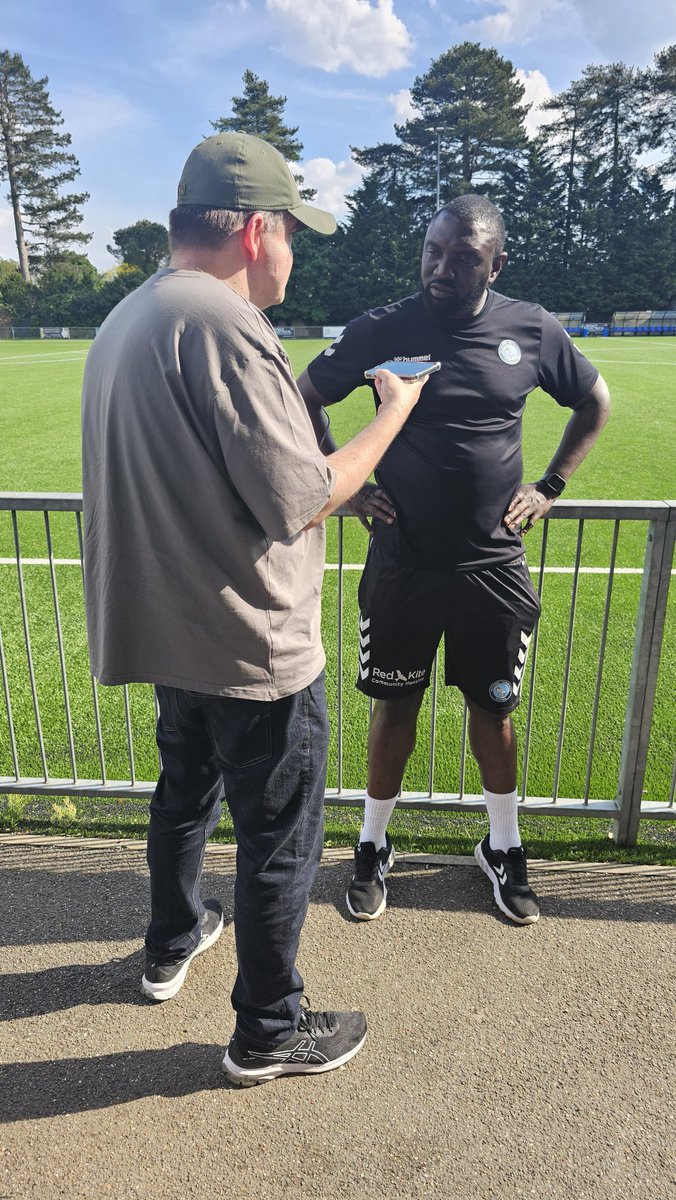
x: 552, y: 485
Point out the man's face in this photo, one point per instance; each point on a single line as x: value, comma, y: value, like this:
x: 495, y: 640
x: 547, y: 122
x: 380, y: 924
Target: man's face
x: 275, y: 263
x: 458, y: 262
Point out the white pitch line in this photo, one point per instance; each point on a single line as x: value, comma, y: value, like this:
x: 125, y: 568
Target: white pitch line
x: 75, y: 562
x: 42, y: 360
x: 40, y: 562
x: 635, y: 362
x: 533, y: 570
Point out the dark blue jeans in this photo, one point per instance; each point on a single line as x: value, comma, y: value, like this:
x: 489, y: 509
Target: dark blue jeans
x: 269, y: 761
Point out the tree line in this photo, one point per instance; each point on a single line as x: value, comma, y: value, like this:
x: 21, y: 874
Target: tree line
x: 589, y: 202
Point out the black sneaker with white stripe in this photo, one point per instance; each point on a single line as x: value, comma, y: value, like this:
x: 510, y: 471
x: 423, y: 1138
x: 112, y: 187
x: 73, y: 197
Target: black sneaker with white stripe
x: 322, y: 1042
x: 509, y: 875
x: 161, y: 981
x: 366, y: 894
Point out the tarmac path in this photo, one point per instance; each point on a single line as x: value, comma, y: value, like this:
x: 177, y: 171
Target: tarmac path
x: 502, y: 1063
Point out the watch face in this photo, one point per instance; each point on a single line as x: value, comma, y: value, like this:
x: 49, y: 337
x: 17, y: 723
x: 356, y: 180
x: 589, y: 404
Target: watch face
x: 554, y: 484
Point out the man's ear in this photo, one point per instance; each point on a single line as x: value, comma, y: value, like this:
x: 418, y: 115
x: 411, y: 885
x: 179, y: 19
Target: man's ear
x: 498, y: 263
x: 252, y: 233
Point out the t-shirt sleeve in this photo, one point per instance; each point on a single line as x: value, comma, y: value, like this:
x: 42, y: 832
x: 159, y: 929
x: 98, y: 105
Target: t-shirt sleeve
x: 270, y: 449
x: 563, y: 372
x: 339, y: 369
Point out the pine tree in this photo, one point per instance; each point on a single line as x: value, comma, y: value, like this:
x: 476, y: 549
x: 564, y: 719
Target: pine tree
x: 470, y: 104
x: 257, y: 112
x: 34, y: 159
x: 532, y: 208
x: 661, y: 83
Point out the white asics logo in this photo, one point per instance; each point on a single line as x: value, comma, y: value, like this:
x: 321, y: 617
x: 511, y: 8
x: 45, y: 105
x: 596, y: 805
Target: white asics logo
x: 304, y: 1051
x: 501, y: 874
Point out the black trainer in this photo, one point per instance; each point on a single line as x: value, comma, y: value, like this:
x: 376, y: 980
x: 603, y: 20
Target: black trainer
x: 161, y: 981
x: 508, y: 874
x: 367, y: 895
x: 322, y: 1042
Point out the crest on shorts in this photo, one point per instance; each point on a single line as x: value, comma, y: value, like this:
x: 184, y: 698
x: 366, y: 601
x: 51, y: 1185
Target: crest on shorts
x: 500, y: 691
x: 509, y: 352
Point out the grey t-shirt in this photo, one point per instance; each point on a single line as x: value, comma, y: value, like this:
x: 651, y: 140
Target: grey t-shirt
x: 200, y: 471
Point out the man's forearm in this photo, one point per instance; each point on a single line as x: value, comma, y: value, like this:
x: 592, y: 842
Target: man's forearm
x: 314, y: 404
x: 582, y: 431
x: 355, y: 461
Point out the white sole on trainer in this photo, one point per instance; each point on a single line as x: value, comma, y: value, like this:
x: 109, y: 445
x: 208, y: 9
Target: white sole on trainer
x: 165, y: 991
x: 488, y: 870
x: 362, y: 916
x: 250, y: 1076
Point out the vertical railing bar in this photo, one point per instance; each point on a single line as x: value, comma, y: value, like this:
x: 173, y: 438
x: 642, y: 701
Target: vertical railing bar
x: 95, y: 695
x: 27, y: 639
x: 10, y: 717
x: 648, y: 641
x: 602, y: 652
x: 157, y: 717
x: 463, y: 751
x: 59, y: 642
x: 569, y: 654
x: 430, y: 788
x: 130, y: 743
x: 533, y: 664
x: 340, y: 654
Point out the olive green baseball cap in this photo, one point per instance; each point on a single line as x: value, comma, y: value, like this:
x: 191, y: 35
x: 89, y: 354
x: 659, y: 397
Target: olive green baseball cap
x: 245, y: 174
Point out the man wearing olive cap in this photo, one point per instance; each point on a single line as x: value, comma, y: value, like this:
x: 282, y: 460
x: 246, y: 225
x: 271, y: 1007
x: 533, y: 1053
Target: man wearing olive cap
x: 205, y: 496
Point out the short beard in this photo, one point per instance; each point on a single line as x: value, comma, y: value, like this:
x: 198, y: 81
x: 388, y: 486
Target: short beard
x: 453, y: 307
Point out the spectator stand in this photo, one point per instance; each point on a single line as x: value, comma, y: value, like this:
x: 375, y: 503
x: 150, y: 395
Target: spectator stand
x: 644, y: 323
x: 573, y: 322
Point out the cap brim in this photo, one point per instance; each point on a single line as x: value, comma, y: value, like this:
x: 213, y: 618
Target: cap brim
x: 314, y: 218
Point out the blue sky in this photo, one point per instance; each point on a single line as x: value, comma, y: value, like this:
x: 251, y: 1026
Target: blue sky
x: 138, y: 81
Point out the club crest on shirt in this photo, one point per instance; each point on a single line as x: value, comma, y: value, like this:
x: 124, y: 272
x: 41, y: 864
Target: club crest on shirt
x: 509, y: 352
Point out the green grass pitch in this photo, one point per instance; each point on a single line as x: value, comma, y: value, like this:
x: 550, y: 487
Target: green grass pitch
x: 39, y: 436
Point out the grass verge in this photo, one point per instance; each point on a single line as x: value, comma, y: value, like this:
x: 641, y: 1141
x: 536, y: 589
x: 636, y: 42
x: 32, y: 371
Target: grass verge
x: 562, y: 839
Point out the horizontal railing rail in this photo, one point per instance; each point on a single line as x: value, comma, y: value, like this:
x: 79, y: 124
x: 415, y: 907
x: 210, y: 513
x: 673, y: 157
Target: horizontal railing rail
x: 591, y: 741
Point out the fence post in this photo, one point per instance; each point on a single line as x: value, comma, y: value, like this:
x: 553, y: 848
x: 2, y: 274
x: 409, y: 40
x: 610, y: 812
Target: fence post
x: 643, y: 683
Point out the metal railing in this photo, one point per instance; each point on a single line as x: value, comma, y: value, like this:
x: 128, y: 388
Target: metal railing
x: 587, y: 723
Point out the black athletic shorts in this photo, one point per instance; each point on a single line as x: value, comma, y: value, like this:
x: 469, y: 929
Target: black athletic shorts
x: 486, y: 618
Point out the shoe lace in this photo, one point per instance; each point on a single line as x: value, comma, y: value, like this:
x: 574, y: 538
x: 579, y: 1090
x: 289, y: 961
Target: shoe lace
x: 517, y: 866
x: 317, y: 1024
x: 365, y: 862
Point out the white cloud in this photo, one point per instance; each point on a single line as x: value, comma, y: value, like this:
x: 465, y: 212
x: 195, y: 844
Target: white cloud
x: 401, y: 103
x: 537, y: 90
x: 364, y: 36
x: 332, y: 181
x: 515, y: 20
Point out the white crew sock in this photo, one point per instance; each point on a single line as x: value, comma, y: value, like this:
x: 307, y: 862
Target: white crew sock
x: 503, y: 817
x: 376, y: 815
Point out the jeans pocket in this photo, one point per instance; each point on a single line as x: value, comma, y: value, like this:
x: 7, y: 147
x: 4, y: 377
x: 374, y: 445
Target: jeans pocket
x: 241, y: 732
x: 169, y: 703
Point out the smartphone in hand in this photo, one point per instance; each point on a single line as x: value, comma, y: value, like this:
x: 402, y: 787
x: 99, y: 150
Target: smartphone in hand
x: 410, y: 371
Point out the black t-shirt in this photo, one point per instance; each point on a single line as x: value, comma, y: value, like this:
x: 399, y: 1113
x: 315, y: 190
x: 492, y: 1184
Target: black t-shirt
x: 457, y: 462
